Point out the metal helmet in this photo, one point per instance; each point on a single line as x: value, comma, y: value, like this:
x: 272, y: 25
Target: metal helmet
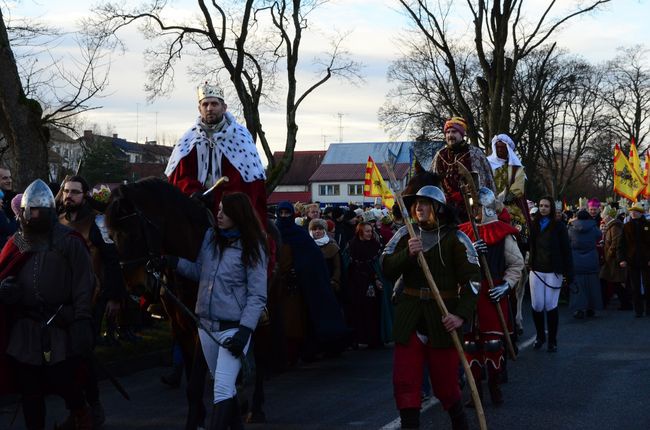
x: 488, y: 202
x: 37, y: 195
x: 430, y: 192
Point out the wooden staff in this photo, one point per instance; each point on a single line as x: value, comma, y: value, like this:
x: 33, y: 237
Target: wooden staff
x: 441, y: 304
x: 471, y: 189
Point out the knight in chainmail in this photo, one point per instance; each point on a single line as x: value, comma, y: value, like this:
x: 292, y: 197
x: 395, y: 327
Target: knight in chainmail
x: 421, y: 334
x: 47, y: 283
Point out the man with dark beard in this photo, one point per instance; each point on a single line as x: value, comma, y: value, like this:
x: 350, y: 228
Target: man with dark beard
x: 79, y: 214
x: 458, y: 150
x: 46, y: 281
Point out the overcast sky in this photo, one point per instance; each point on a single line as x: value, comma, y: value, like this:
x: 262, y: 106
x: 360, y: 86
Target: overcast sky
x: 375, y: 27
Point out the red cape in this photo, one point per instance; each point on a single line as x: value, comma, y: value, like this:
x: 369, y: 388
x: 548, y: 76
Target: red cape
x: 491, y: 233
x: 11, y: 260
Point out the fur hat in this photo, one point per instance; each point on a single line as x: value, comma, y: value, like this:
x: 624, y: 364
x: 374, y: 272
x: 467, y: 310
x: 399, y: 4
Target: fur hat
x: 637, y: 208
x: 457, y: 123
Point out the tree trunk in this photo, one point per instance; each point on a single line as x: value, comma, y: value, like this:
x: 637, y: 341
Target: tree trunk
x: 20, y: 121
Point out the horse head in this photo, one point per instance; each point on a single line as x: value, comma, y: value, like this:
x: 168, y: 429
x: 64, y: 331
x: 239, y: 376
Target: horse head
x: 150, y: 218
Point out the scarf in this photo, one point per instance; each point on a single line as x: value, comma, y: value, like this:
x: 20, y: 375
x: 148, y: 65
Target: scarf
x: 231, y: 140
x: 544, y: 222
x: 496, y: 162
x: 322, y: 241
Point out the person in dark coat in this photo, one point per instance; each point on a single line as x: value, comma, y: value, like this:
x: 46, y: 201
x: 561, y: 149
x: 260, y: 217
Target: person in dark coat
x: 311, y: 314
x: 47, y: 281
x: 634, y: 254
x: 365, y: 288
x: 585, y: 297
x: 550, y: 260
x: 610, y: 271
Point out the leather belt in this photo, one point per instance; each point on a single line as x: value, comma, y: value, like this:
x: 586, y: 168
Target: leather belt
x: 426, y: 294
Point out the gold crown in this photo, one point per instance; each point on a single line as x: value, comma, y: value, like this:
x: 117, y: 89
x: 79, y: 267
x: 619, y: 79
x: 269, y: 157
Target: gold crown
x: 207, y: 90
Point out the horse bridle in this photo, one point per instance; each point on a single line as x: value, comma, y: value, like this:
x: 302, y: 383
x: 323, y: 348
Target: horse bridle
x: 154, y: 252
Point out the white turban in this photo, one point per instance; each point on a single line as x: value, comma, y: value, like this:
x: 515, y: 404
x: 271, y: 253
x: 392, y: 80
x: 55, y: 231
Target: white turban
x: 496, y: 162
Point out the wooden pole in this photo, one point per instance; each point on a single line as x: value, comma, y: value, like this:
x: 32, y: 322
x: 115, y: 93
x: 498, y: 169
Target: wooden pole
x: 441, y: 304
x: 466, y: 175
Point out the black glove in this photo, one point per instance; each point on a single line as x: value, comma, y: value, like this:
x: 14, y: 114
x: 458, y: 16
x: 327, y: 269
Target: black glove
x: 237, y: 343
x: 10, y: 291
x: 207, y: 201
x: 481, y: 247
x: 499, y: 291
x: 164, y: 262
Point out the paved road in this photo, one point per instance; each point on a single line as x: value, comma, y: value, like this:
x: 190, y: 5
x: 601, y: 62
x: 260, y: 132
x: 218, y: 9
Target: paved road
x: 598, y: 379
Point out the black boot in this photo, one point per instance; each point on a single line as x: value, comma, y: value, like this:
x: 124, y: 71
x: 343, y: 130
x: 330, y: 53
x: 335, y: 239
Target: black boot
x: 552, y: 319
x: 458, y: 417
x: 479, y: 388
x: 236, y: 421
x: 538, y: 319
x: 410, y: 418
x: 173, y: 378
x: 222, y: 414
x: 495, y: 390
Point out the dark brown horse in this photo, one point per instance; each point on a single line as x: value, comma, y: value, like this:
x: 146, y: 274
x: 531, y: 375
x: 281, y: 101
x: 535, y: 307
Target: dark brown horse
x: 148, y: 219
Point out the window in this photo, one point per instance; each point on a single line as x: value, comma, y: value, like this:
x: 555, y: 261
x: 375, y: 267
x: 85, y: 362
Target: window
x: 355, y: 189
x: 328, y: 190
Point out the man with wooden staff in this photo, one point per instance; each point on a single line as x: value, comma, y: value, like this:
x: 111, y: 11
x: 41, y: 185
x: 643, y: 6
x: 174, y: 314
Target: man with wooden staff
x: 484, y: 344
x: 421, y: 333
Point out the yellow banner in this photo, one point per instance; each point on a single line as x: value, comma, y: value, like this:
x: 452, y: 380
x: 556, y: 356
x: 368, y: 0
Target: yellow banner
x: 635, y: 161
x: 627, y: 182
x: 646, y: 175
x: 375, y: 186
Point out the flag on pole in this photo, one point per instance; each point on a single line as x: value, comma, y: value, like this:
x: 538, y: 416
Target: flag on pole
x: 627, y: 183
x: 635, y: 161
x: 646, y: 175
x: 375, y: 186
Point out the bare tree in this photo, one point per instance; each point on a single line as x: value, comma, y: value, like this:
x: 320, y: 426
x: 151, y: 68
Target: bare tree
x: 251, y: 43
x: 39, y: 91
x: 501, y: 40
x: 573, y: 120
x: 422, y: 98
x: 628, y: 95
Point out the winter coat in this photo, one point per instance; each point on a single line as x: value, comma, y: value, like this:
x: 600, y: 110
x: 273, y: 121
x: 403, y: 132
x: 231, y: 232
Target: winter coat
x: 228, y: 289
x: 635, y: 244
x: 583, y: 236
x: 560, y: 250
x: 611, y: 271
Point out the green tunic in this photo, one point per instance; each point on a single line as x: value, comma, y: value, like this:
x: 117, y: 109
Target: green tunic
x: 452, y: 273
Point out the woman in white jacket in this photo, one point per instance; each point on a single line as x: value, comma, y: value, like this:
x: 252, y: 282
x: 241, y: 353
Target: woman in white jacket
x: 231, y: 269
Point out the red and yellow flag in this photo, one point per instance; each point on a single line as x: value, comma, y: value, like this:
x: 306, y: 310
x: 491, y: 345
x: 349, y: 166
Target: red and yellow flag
x: 646, y: 175
x: 635, y: 161
x: 375, y: 186
x: 627, y: 182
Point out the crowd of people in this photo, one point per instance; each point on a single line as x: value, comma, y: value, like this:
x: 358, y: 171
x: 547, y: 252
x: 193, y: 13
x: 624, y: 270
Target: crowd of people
x: 319, y: 280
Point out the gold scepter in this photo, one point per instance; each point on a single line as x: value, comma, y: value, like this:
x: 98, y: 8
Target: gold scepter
x: 395, y: 185
x: 471, y: 189
x: 220, y: 181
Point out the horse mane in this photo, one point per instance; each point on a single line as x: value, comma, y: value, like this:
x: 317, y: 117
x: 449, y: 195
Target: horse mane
x: 167, y: 197
x: 420, y: 179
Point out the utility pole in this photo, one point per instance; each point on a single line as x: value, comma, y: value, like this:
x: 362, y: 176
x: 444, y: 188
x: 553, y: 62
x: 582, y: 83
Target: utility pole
x: 156, y: 135
x: 340, y: 127
x: 137, y: 121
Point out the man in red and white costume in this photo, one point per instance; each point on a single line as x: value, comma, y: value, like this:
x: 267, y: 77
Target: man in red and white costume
x: 484, y: 344
x: 215, y: 146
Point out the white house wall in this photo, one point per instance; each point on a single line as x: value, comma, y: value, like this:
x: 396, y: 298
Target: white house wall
x: 342, y: 198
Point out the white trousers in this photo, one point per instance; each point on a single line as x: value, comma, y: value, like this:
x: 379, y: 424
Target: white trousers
x: 223, y: 366
x: 542, y: 296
